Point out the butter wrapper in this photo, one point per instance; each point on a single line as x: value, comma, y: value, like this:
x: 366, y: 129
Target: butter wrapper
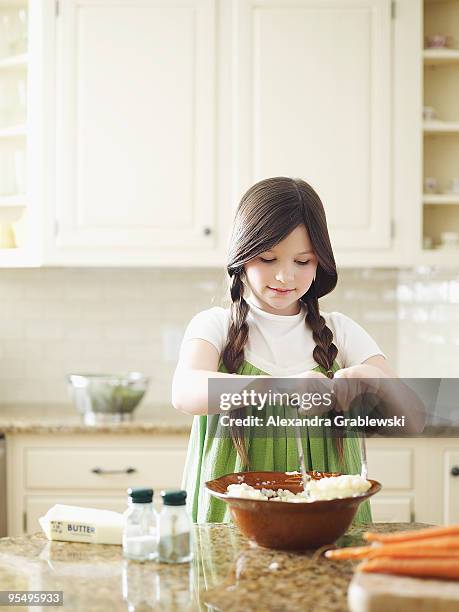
x: 78, y: 524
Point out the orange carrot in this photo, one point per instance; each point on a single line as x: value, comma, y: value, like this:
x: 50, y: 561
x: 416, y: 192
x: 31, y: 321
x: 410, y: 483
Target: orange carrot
x: 418, y: 534
x: 428, y: 568
x: 351, y: 552
x: 416, y: 553
x: 432, y: 547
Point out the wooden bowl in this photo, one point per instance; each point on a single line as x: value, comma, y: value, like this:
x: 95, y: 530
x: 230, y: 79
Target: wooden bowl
x: 283, y: 525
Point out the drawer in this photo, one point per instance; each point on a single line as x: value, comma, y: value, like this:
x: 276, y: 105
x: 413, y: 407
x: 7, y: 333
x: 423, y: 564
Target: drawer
x: 73, y: 468
x: 391, y: 467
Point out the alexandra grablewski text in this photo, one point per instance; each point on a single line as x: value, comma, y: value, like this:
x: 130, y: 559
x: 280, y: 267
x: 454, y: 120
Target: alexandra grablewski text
x: 316, y: 421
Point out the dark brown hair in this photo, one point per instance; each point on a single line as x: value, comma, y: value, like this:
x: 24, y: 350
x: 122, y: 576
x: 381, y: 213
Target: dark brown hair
x: 268, y: 212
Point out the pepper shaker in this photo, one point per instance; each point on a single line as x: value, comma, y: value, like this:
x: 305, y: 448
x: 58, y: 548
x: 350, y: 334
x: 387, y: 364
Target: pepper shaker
x: 174, y: 527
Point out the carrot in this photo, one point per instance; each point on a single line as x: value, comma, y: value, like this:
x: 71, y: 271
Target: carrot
x: 413, y: 553
x: 433, y: 547
x: 428, y: 568
x: 418, y: 534
x: 351, y: 552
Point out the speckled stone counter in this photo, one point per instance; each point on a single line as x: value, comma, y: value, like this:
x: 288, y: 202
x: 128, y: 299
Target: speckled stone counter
x: 36, y: 419
x: 227, y: 573
x: 66, y: 420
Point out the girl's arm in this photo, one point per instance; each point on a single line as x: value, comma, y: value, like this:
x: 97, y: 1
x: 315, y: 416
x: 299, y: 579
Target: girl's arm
x: 198, y: 363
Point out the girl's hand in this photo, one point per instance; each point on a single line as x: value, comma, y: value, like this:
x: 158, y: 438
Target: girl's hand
x: 310, y: 384
x: 353, y: 382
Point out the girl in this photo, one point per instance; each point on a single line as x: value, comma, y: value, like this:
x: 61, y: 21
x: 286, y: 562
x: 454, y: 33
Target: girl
x: 280, y: 263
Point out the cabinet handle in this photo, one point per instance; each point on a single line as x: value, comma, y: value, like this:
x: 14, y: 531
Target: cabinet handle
x: 455, y: 470
x: 128, y: 470
x: 207, y: 231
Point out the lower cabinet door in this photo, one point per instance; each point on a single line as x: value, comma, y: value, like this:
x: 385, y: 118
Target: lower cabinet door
x: 37, y: 506
x: 392, y: 467
x: 391, y: 509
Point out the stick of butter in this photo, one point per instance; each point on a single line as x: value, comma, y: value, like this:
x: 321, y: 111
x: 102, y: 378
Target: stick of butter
x: 77, y: 524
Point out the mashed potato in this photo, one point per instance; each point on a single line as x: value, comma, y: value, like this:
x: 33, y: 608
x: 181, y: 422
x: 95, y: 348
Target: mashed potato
x: 334, y: 487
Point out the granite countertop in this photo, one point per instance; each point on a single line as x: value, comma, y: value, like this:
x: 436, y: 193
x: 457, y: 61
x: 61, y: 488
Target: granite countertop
x: 36, y: 419
x: 227, y: 573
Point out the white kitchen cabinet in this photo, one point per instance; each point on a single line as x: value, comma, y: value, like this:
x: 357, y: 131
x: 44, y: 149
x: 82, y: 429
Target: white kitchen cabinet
x: 418, y: 479
x: 330, y: 92
x: 391, y: 464
x: 315, y: 102
x: 136, y: 133
x: 43, y: 469
x: 91, y: 470
x: 149, y: 120
x: 167, y: 112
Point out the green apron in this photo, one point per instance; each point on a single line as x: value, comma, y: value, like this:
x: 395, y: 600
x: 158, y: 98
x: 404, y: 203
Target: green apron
x: 210, y: 457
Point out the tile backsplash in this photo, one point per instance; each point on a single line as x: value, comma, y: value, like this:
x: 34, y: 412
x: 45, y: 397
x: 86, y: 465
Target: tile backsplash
x: 54, y: 321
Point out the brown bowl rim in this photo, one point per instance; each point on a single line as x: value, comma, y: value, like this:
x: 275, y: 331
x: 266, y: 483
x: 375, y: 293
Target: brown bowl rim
x: 375, y: 488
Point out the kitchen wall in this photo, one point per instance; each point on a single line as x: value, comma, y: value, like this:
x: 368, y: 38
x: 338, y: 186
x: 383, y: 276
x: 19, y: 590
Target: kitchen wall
x: 56, y: 321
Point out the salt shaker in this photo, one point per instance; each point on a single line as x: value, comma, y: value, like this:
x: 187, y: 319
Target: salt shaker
x: 174, y: 527
x: 140, y: 538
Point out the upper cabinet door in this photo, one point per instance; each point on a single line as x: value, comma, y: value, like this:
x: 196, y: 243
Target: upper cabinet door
x: 314, y: 102
x: 135, y: 130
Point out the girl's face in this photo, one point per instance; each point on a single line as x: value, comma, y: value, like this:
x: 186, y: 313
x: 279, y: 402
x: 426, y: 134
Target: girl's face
x: 279, y: 277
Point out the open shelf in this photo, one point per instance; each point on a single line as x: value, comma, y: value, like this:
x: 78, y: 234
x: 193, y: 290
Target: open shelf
x: 439, y: 257
x: 441, y: 198
x: 437, y: 219
x: 440, y: 211
x: 434, y: 57
x: 15, y: 61
x: 16, y: 258
x: 13, y: 131
x: 13, y: 201
x: 14, y: 77
x: 441, y: 127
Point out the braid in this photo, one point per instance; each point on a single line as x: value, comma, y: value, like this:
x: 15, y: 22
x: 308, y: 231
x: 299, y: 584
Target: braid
x: 233, y: 354
x: 325, y: 351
